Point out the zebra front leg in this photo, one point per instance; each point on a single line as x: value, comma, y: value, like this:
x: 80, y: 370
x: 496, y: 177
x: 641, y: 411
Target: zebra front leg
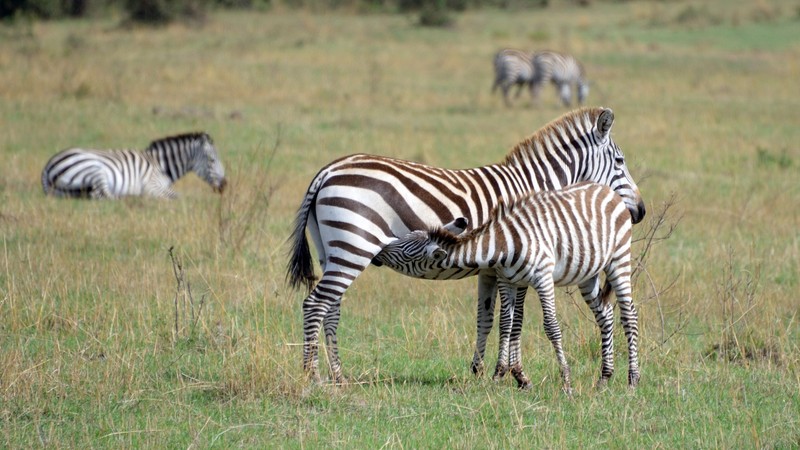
x: 515, y: 353
x: 487, y: 292
x: 546, y: 292
x: 603, y: 311
x: 507, y: 297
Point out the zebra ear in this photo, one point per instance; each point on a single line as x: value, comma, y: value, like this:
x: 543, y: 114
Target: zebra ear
x: 457, y: 226
x: 603, y: 125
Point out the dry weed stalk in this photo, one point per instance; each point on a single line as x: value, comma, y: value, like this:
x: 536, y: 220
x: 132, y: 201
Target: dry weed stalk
x: 235, y: 221
x: 184, y: 300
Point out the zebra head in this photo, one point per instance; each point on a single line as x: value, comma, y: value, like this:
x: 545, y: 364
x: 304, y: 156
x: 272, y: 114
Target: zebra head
x: 416, y: 253
x: 207, y: 164
x: 607, y: 166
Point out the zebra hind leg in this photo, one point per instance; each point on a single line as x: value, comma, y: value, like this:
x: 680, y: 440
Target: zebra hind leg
x: 604, y: 316
x: 330, y: 325
x: 630, y: 323
x: 325, y: 296
x: 546, y: 291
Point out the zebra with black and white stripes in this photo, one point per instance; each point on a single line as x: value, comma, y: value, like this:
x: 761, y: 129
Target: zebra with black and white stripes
x: 358, y: 204
x: 551, y: 238
x: 512, y: 67
x: 89, y: 173
x: 563, y: 71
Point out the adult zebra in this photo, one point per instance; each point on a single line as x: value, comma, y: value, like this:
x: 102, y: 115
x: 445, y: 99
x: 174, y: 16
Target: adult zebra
x: 512, y: 67
x: 358, y: 204
x: 563, y: 71
x: 550, y: 238
x: 88, y: 173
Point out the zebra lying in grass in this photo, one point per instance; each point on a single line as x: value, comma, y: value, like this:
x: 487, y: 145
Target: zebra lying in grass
x: 547, y: 239
x: 88, y: 173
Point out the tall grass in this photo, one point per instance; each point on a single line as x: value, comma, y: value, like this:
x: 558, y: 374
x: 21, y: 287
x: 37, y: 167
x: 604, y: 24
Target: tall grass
x: 88, y: 353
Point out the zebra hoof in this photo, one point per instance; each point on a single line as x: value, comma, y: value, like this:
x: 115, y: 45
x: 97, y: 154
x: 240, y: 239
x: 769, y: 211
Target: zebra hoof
x: 633, y: 380
x: 499, y: 372
x: 477, y: 368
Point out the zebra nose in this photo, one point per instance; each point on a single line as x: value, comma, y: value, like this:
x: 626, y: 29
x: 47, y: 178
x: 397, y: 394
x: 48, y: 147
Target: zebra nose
x: 640, y: 212
x: 222, y: 184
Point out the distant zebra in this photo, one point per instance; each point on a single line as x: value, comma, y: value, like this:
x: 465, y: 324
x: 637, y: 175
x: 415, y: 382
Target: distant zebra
x: 547, y: 239
x: 563, y: 71
x: 512, y: 67
x: 89, y: 173
x: 360, y: 203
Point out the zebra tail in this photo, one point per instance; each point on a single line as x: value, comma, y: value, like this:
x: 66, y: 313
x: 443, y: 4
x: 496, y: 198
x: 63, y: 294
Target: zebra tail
x: 300, y: 270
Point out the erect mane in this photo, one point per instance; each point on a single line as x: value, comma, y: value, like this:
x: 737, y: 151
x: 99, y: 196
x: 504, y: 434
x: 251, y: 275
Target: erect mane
x: 498, y: 213
x: 586, y: 117
x: 202, y: 135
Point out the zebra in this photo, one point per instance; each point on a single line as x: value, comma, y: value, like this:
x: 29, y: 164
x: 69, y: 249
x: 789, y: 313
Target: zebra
x: 563, y: 71
x: 358, y: 204
x: 546, y: 239
x: 512, y: 67
x: 88, y: 173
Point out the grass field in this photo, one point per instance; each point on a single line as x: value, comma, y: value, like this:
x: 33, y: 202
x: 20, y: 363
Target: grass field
x: 95, y: 351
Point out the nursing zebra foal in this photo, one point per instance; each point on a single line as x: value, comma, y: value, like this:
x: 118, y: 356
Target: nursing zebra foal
x: 563, y: 71
x: 89, y: 173
x: 357, y: 205
x: 512, y: 67
x: 550, y: 238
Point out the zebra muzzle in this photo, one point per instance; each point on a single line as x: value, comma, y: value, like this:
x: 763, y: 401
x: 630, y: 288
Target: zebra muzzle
x: 222, y: 184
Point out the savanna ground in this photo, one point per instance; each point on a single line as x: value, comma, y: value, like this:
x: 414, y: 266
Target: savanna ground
x: 96, y: 352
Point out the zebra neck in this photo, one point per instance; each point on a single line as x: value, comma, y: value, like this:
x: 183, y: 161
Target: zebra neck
x: 467, y: 254
x: 173, y: 158
x: 539, y: 167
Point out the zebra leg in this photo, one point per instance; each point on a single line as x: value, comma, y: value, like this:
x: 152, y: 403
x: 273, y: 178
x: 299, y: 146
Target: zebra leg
x: 565, y: 92
x: 99, y: 188
x: 326, y: 295
x: 546, y: 290
x: 604, y: 316
x: 330, y: 325
x: 515, y: 358
x: 507, y: 295
x: 487, y: 292
x: 630, y: 323
x: 506, y: 87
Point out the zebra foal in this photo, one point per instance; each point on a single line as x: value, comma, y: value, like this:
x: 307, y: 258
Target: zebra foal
x: 96, y: 174
x: 358, y: 204
x: 550, y: 238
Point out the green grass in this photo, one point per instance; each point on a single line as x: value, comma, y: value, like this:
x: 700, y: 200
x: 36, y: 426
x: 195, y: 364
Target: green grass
x: 706, y: 108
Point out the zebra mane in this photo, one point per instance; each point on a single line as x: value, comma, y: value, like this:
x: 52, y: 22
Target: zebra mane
x: 534, y: 146
x: 446, y: 238
x: 196, y: 135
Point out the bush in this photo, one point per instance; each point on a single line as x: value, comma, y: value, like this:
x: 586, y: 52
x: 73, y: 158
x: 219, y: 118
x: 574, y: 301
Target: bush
x: 162, y: 12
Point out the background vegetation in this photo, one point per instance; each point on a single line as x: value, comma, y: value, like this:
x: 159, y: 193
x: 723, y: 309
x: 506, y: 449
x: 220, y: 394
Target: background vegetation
x: 100, y: 346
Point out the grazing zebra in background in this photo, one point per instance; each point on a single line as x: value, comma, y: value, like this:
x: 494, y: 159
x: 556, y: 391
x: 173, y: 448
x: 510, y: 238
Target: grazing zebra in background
x: 87, y: 173
x: 563, y: 71
x: 512, y: 67
x: 547, y: 239
x: 358, y: 204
